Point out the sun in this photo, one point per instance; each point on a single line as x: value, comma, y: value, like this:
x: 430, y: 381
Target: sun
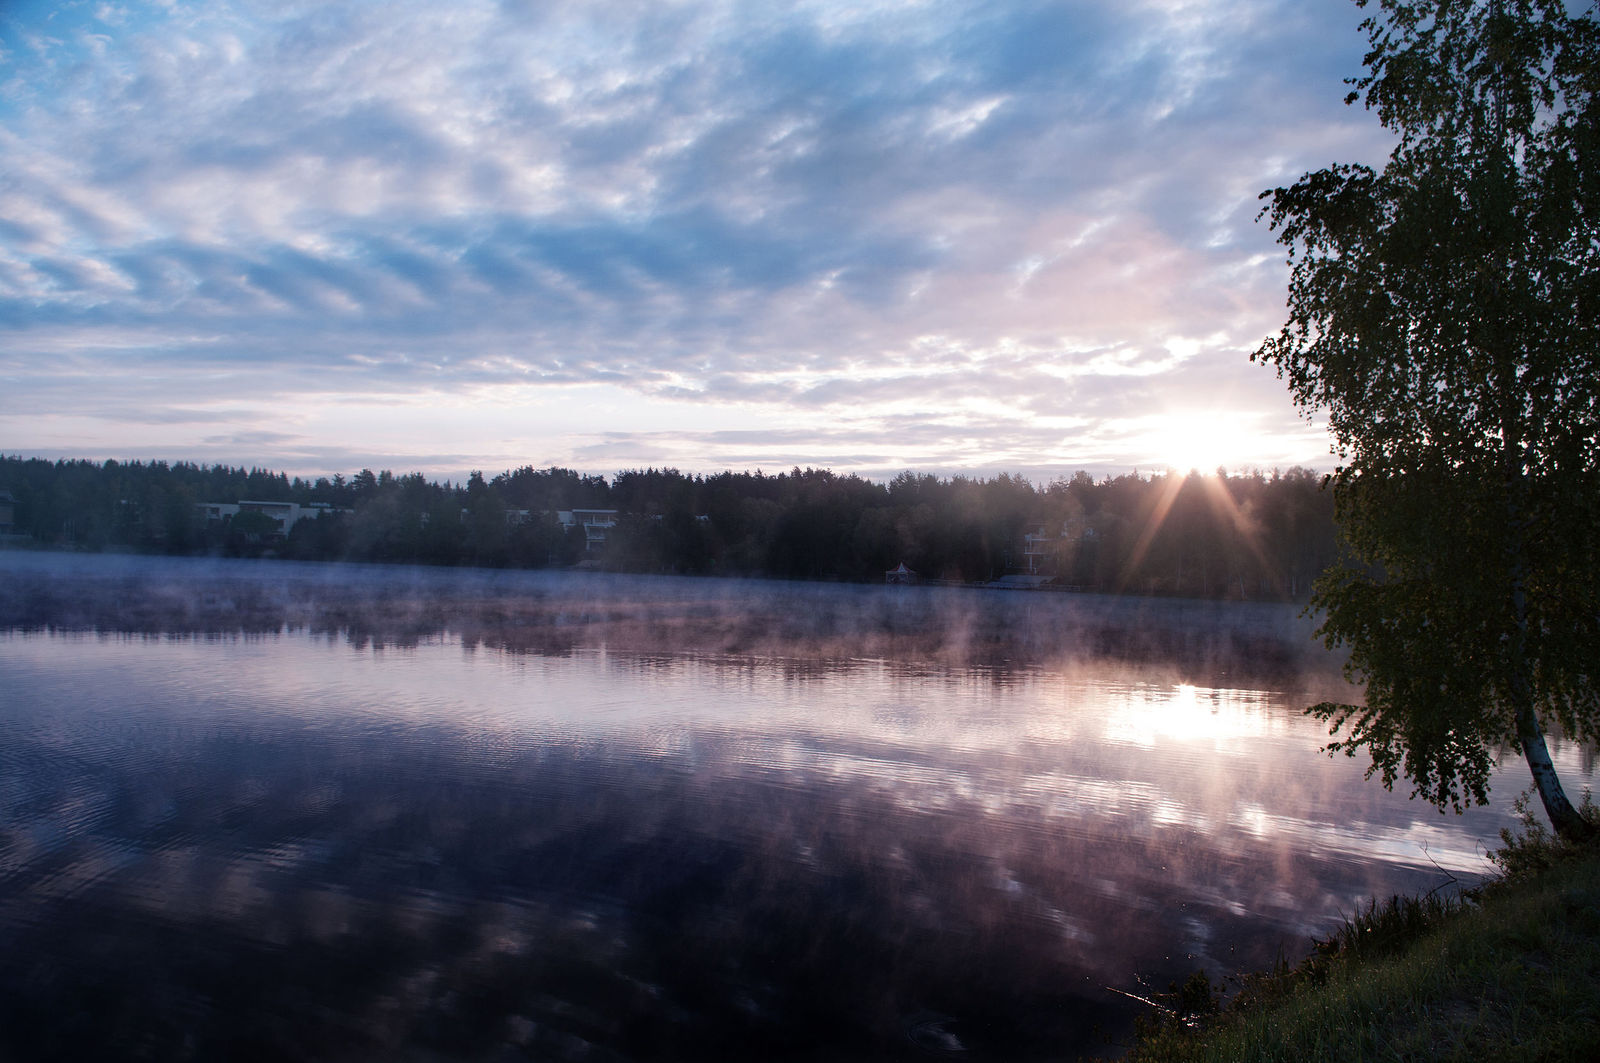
x: 1197, y: 441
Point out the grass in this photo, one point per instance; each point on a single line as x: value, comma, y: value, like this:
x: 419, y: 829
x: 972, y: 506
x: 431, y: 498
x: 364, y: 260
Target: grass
x: 1508, y: 971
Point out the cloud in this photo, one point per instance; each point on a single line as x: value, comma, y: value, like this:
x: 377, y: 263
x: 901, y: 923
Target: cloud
x: 250, y: 439
x: 767, y: 212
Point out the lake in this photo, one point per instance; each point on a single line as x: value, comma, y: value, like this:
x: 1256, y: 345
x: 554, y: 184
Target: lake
x: 260, y: 810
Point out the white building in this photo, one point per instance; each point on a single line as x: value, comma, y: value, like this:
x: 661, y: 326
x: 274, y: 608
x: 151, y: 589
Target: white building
x: 595, y: 524
x: 287, y: 514
x: 1038, y: 545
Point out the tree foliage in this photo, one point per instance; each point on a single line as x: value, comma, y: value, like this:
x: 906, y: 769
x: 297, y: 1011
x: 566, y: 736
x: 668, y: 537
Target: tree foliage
x: 1254, y: 536
x: 1444, y: 314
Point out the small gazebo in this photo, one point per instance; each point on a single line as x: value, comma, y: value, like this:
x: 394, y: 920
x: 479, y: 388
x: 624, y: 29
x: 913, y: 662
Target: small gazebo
x: 900, y: 574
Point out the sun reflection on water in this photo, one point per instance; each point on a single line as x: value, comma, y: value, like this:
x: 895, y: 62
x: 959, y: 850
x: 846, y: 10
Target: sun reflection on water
x: 696, y: 841
x: 1220, y: 719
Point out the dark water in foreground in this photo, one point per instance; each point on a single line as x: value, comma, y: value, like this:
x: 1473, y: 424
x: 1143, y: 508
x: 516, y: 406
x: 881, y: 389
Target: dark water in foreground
x: 279, y: 812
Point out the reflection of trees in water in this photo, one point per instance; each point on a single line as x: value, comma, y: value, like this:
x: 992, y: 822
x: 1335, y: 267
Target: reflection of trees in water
x: 258, y: 892
x: 553, y: 614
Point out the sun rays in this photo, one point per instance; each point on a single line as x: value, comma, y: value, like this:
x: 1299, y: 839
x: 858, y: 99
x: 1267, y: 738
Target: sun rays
x: 1218, y: 506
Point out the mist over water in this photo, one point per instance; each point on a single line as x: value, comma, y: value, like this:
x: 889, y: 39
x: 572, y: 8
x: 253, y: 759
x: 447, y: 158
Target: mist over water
x: 291, y: 812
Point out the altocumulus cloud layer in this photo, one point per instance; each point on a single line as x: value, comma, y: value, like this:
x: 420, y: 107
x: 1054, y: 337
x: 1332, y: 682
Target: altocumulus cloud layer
x: 941, y: 235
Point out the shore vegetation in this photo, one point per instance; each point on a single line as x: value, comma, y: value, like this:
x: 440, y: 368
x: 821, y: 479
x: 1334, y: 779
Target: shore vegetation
x: 1509, y: 970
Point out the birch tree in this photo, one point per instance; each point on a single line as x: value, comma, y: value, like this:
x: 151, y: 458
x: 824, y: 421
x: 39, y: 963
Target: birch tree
x: 1444, y: 317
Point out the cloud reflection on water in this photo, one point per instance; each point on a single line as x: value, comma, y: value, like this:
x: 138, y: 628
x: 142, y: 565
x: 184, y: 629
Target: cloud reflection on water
x: 414, y: 829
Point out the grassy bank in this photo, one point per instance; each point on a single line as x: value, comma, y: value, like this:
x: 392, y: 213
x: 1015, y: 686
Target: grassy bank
x: 1511, y: 971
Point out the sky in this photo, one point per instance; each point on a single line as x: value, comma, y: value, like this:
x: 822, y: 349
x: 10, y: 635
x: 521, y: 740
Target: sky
x: 950, y: 237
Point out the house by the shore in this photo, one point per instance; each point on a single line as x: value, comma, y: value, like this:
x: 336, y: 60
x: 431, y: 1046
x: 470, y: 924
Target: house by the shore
x: 287, y: 514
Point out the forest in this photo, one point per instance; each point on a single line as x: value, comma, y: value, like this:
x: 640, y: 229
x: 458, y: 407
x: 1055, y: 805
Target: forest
x: 1242, y: 536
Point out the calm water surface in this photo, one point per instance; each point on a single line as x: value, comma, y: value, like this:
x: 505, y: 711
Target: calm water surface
x: 291, y: 813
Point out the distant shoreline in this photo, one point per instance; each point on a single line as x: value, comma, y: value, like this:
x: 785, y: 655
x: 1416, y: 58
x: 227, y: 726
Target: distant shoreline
x: 1250, y: 537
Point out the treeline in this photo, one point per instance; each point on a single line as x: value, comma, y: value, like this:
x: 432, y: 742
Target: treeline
x: 1240, y: 536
